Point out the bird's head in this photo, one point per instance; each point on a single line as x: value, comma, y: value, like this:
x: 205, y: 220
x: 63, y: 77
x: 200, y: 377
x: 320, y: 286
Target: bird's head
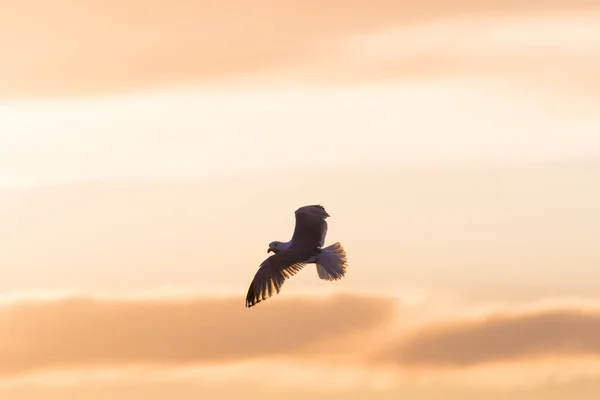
x: 274, y: 247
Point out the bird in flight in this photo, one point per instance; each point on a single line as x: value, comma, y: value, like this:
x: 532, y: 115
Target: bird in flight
x: 305, y: 247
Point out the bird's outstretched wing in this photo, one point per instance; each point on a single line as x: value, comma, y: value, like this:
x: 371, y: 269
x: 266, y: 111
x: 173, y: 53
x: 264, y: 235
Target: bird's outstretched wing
x: 310, y: 230
x: 272, y: 274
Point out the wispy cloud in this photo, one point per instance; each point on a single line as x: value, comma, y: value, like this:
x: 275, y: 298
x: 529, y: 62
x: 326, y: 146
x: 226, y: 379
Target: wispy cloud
x: 70, y: 48
x: 83, y: 332
x: 559, y: 50
x: 296, y: 340
x: 500, y: 338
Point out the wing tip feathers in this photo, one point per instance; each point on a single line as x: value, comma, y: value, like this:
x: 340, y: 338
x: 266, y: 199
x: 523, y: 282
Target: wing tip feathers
x: 314, y: 208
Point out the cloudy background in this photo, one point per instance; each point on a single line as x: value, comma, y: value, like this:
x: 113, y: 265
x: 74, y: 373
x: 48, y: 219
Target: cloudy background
x: 151, y: 150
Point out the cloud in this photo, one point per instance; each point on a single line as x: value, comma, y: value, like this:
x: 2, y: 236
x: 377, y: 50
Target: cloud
x: 560, y: 332
x: 515, y: 46
x: 71, y: 48
x: 85, y: 332
x: 295, y: 341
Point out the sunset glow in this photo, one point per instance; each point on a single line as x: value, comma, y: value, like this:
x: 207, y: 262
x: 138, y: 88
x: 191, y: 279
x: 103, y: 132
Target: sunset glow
x: 150, y: 151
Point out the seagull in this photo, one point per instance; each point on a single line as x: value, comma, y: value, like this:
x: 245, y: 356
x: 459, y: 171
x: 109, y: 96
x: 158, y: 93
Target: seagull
x: 305, y: 247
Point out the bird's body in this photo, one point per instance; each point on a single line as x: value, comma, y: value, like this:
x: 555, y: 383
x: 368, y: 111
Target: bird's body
x: 305, y: 247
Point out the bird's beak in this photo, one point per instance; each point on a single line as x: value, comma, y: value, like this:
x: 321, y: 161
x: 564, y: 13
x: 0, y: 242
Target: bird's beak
x: 270, y: 250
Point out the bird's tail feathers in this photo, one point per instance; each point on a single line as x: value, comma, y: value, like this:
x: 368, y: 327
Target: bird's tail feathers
x: 332, y: 262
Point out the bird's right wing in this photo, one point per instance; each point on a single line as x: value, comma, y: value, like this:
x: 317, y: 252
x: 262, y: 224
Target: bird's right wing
x: 310, y: 230
x: 272, y: 274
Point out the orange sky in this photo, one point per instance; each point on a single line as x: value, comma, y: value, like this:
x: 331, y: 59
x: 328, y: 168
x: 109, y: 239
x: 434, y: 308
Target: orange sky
x: 74, y: 48
x: 151, y: 150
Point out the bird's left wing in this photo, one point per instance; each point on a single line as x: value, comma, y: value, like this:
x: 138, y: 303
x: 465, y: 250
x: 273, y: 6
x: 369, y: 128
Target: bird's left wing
x: 272, y: 274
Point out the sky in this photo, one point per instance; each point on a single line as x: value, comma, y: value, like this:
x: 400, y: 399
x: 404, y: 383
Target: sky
x: 151, y: 150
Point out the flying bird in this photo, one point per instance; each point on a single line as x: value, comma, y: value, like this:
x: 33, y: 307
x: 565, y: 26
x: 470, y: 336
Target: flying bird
x: 305, y: 247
